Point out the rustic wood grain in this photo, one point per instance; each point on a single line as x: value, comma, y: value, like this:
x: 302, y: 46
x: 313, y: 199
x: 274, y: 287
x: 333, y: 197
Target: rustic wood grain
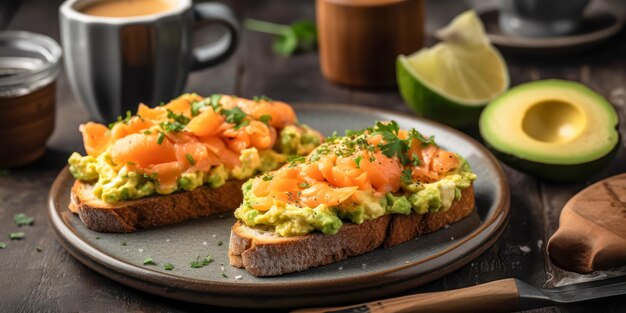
x: 496, y: 296
x: 591, y: 234
x: 53, y: 281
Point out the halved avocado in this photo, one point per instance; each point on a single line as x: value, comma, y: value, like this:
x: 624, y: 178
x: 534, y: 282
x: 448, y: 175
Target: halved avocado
x: 554, y: 129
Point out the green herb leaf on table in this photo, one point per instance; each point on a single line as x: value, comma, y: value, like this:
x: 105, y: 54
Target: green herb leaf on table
x: 148, y: 261
x: 38, y: 249
x: 22, y: 219
x: 299, y: 36
x: 168, y: 266
x: 2, y: 245
x: 17, y: 235
x: 201, y: 263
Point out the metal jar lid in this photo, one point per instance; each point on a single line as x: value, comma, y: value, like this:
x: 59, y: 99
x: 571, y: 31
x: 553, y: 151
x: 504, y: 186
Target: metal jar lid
x: 28, y: 61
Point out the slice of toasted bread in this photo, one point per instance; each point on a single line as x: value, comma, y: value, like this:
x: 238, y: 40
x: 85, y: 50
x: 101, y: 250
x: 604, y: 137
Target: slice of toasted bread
x: 264, y: 253
x: 153, y: 211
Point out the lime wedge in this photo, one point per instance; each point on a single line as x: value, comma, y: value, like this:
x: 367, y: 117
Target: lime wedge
x: 452, y: 81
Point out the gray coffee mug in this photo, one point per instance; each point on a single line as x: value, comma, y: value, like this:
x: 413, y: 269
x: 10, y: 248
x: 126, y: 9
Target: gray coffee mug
x: 542, y: 18
x: 115, y: 63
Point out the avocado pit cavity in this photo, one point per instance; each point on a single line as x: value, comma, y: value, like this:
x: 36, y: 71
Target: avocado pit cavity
x: 553, y: 121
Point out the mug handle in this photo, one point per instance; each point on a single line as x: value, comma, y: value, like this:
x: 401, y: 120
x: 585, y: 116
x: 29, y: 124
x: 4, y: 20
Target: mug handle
x: 221, y: 49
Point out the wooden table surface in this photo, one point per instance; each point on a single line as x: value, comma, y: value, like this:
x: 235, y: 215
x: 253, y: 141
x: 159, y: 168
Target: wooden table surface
x: 52, y: 280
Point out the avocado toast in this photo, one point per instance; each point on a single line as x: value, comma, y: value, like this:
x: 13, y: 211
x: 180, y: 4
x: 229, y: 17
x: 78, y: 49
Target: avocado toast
x: 181, y: 160
x: 377, y: 187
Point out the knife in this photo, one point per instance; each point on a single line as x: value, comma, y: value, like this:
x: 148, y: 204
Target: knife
x: 497, y: 296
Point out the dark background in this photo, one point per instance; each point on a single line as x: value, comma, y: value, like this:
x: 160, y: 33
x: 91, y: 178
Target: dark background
x: 52, y: 280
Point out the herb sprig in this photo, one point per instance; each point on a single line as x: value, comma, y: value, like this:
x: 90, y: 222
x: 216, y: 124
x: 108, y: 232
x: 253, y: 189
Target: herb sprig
x: 22, y: 219
x: 201, y: 263
x: 299, y: 36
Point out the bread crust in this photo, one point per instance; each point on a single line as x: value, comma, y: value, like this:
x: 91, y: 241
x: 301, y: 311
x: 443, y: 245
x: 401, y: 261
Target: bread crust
x: 154, y: 211
x: 266, y: 254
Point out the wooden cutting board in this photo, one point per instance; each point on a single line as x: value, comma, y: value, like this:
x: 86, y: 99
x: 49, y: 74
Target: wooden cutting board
x: 592, y: 228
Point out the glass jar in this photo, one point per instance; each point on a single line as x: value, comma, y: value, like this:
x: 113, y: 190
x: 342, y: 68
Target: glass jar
x: 29, y: 66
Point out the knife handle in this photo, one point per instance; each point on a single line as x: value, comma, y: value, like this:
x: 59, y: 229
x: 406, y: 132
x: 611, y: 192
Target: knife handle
x: 496, y: 296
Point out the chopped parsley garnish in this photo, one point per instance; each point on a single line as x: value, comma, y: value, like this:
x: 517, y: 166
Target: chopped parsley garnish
x: 294, y: 158
x: 219, y: 243
x: 22, y: 219
x: 38, y: 249
x: 265, y: 118
x: 122, y: 119
x: 414, y: 134
x: 17, y: 235
x: 2, y: 245
x: 124, y: 244
x: 224, y: 275
x: 150, y: 177
x: 235, y: 116
x: 261, y: 98
x: 169, y: 127
x: 148, y: 261
x: 393, y: 146
x: 406, y: 176
x: 215, y: 102
x: 357, y: 161
x: 98, y: 237
x: 332, y: 137
x: 168, y: 266
x: 190, y: 159
x: 147, y: 132
x: 196, y: 106
x: 267, y: 177
x: 304, y: 185
x: 180, y: 118
x: 201, y: 263
x: 160, y: 137
x: 416, y: 160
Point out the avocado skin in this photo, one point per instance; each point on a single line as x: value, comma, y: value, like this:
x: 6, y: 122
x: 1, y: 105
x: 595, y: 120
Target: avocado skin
x: 433, y: 106
x: 557, y: 172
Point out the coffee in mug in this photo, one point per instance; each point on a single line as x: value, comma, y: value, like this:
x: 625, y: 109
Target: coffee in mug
x: 125, y: 8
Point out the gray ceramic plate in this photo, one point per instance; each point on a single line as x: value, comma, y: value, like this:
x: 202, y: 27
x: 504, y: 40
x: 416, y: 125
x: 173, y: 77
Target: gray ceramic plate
x: 597, y: 26
x: 372, y: 275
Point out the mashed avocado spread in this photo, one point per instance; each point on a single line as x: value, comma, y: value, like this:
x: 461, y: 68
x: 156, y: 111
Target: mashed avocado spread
x: 288, y: 207
x: 290, y: 220
x: 113, y: 182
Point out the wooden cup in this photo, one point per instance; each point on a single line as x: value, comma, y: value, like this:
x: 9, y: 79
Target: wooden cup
x: 26, y: 123
x: 359, y: 40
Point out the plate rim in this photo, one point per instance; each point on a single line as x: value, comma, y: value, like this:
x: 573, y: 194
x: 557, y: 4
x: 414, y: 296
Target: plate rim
x: 553, y: 43
x: 75, y: 245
